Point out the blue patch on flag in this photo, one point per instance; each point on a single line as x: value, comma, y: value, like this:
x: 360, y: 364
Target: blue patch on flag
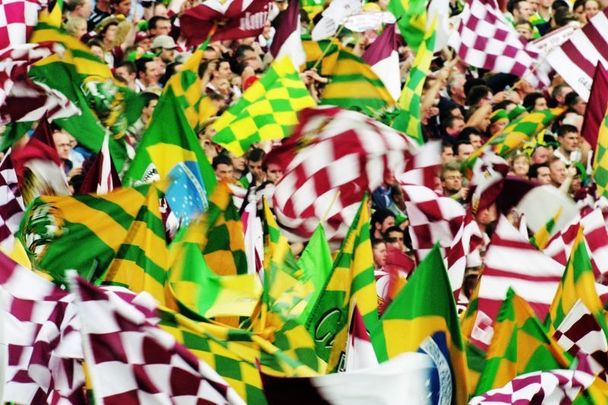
x: 186, y: 195
x: 441, y: 382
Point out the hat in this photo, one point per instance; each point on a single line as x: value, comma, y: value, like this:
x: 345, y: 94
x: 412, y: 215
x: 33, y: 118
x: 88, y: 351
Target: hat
x: 99, y: 28
x: 140, y: 36
x: 163, y: 41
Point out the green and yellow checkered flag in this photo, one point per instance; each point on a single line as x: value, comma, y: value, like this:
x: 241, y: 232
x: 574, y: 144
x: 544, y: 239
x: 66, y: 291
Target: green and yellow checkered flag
x: 141, y: 262
x: 520, y: 345
x: 408, y: 119
x: 266, y: 111
x: 600, y: 160
x: 411, y: 20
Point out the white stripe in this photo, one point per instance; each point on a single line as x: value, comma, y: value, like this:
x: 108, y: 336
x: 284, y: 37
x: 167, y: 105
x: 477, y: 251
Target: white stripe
x: 495, y: 288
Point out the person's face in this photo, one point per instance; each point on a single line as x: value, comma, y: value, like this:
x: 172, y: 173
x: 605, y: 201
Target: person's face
x: 487, y: 215
x: 145, y: 44
x: 452, y: 181
x: 167, y: 55
x: 580, y: 14
x: 568, y: 142
x: 163, y: 27
x: 160, y: 10
x: 273, y: 173
x: 591, y: 9
x: 380, y: 255
x: 124, y: 7
x: 152, y: 73
x: 97, y: 51
x: 464, y: 151
x: 534, y: 4
x: 544, y: 175
x: 557, y: 172
x: 540, y: 104
x: 239, y: 163
x: 395, y: 239
x: 84, y: 10
x: 63, y: 144
x: 223, y: 172
x: 456, y: 127
x: 475, y: 141
x: 521, y: 166
x: 524, y: 10
x: 387, y: 223
x: 224, y: 71
x: 447, y: 154
x: 256, y: 170
x: 496, y: 127
x: 252, y: 59
x: 524, y: 31
x: 110, y: 34
x: 81, y: 29
x: 580, y: 106
x: 540, y: 155
x: 124, y: 74
x: 149, y: 109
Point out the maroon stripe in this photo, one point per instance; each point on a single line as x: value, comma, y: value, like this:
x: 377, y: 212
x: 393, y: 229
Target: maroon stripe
x: 597, y: 39
x: 577, y: 58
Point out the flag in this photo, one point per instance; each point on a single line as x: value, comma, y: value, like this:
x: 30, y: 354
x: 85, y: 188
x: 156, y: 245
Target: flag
x: 522, y: 130
x: 489, y: 42
x: 407, y: 377
x: 351, y: 75
x: 541, y: 238
x: 38, y: 328
x: 600, y: 159
x: 547, y: 386
x: 511, y: 261
x: 321, y: 55
x: 412, y: 21
x: 141, y: 262
x: 232, y: 19
x: 408, y: 118
x: 382, y: 55
x: 18, y: 18
x: 266, y: 111
x: 578, y: 282
x: 188, y: 91
x: 520, y: 345
x: 596, y: 107
x: 351, y: 152
x: 52, y: 226
x: 130, y: 359
x: 333, y: 16
x: 21, y: 98
x: 102, y: 177
x: 286, y: 39
x: 168, y: 147
x: 351, y: 280
x: 359, y: 349
x: 11, y: 202
x: 254, y: 238
x: 580, y: 334
x: 423, y: 317
x: 575, y: 60
x: 316, y: 262
x: 422, y: 169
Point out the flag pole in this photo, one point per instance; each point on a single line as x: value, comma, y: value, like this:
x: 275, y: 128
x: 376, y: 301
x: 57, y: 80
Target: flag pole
x: 331, y: 205
x: 326, y: 50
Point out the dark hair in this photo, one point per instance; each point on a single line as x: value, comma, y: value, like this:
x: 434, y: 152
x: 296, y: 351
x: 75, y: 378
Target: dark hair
x: 395, y: 228
x: 465, y: 134
x: 460, y: 142
x: 255, y: 155
x: 148, y: 96
x: 476, y: 94
x: 131, y: 68
x: 530, y: 100
x: 140, y: 64
x: 449, y: 121
x: 380, y: 215
x: 154, y: 20
x: 95, y: 42
x: 571, y: 99
x: 566, y: 129
x: 533, y: 171
x: 524, y: 22
x: 221, y: 160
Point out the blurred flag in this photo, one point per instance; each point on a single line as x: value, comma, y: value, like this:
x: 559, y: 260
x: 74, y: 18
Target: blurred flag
x: 383, y: 57
x: 596, y: 106
x: 102, y: 177
x: 411, y: 20
x: 287, y: 37
x: 18, y: 19
x: 600, y: 159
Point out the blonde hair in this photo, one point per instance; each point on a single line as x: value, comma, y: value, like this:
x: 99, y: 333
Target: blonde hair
x: 72, y: 24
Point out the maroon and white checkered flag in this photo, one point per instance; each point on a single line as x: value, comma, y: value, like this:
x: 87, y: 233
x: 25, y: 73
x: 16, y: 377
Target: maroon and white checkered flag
x: 488, y: 41
x: 22, y: 99
x: 437, y: 219
x: 43, y: 349
x: 333, y: 157
x: 539, y: 387
x: 11, y: 202
x: 17, y: 20
x: 131, y: 360
x: 581, y: 334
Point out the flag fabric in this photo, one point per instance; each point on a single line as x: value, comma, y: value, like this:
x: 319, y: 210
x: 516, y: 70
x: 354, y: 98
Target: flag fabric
x: 38, y: 336
x: 287, y: 37
x: 321, y: 55
x: 408, y: 118
x: 543, y: 235
x: 412, y: 21
x: 266, y: 111
x: 423, y: 317
x: 11, y: 202
x: 422, y: 169
x: 575, y: 60
x: 383, y: 57
x: 511, y: 261
x: 522, y: 130
x: 18, y: 18
x: 351, y: 280
x: 596, y: 237
x: 351, y: 155
x: 102, y: 177
x: 141, y: 261
x: 578, y: 283
x: 600, y: 159
x: 351, y: 75
x: 129, y: 359
x: 580, y: 334
x: 489, y: 42
x: 239, y: 19
x: 170, y: 144
x: 520, y: 345
x: 596, y: 106
x: 406, y: 376
x: 52, y: 226
x: 188, y: 90
x: 359, y: 349
x: 551, y: 386
x: 254, y: 238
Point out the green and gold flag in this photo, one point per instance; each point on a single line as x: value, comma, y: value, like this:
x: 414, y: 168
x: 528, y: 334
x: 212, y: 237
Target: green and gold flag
x: 266, y: 111
x: 411, y: 20
x: 520, y: 345
x: 600, y: 159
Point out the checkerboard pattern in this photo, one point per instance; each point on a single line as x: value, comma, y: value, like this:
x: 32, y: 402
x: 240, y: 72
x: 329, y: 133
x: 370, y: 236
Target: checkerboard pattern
x: 17, y: 20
